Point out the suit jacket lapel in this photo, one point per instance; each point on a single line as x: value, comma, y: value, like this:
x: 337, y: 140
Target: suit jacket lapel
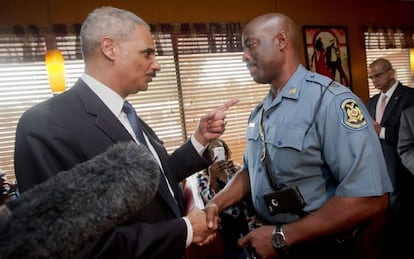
x: 372, y: 106
x: 105, y: 120
x: 392, y: 102
x: 108, y: 123
x: 163, y: 187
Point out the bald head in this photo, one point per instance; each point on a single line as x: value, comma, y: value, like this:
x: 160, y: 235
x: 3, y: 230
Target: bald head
x: 382, y: 74
x: 271, y: 45
x: 383, y: 63
x: 273, y: 23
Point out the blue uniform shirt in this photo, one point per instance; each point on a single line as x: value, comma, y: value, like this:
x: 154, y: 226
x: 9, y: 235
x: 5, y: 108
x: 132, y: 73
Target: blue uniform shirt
x: 329, y: 151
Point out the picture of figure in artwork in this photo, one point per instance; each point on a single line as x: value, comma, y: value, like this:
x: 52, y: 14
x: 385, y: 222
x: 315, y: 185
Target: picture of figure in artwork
x: 327, y: 53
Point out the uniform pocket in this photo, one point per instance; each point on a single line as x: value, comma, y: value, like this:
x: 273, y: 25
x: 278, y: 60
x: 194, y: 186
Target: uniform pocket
x: 286, y: 137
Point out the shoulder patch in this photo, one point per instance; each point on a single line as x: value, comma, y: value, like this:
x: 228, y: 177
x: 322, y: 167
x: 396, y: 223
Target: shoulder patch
x: 352, y: 116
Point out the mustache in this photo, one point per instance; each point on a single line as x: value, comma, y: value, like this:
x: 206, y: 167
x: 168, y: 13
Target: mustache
x: 152, y: 74
x: 250, y: 64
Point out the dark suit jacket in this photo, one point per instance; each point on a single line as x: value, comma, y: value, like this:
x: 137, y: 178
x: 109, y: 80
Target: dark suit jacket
x: 75, y: 126
x: 402, y: 98
x: 406, y: 139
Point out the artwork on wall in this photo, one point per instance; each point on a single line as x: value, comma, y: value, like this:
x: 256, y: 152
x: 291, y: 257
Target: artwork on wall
x: 326, y: 50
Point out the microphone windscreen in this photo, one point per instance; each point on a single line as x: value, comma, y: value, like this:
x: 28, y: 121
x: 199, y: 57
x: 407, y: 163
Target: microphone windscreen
x: 59, y: 217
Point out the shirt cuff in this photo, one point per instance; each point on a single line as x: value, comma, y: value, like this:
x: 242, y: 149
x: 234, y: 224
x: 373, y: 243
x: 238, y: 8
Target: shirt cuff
x: 382, y: 133
x: 199, y: 147
x: 189, y: 232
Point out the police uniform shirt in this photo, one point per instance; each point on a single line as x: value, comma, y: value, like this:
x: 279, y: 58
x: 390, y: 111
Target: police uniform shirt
x: 339, y: 154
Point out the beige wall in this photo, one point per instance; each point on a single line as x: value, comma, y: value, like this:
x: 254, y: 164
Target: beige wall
x: 350, y: 13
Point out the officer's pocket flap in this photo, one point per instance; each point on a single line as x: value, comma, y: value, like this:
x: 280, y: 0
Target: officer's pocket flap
x: 286, y: 137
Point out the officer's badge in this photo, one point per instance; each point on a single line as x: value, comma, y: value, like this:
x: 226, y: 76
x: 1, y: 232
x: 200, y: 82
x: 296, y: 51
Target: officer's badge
x: 353, y: 117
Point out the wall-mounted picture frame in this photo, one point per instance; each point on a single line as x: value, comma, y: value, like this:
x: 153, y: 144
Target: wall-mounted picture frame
x: 327, y: 53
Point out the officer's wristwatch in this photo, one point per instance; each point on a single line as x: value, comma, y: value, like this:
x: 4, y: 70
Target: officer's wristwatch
x: 278, y: 240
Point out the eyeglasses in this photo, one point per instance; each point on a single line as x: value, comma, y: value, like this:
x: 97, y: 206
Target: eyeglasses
x: 378, y: 75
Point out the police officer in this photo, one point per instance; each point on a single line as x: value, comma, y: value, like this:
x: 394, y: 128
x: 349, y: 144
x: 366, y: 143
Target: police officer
x: 313, y: 163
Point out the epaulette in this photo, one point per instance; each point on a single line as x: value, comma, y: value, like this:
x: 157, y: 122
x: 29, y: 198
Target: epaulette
x: 321, y: 80
x: 318, y: 79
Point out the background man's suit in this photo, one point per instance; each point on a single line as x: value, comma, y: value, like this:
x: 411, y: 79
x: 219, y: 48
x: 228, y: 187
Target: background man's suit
x: 403, y: 182
x: 80, y: 127
x: 406, y: 139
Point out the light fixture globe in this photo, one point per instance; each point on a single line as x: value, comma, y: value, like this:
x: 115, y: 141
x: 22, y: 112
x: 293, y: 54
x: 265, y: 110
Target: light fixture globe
x: 55, y: 71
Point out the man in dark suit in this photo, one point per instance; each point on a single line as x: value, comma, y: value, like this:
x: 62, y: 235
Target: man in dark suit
x: 385, y: 109
x: 406, y: 139
x: 77, y: 125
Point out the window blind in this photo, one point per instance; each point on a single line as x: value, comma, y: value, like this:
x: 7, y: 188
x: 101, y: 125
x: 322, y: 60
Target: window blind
x: 201, y: 68
x: 211, y: 79
x: 394, y: 46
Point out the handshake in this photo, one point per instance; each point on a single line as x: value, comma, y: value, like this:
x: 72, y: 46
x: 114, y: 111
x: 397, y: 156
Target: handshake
x: 204, y: 228
x: 204, y: 219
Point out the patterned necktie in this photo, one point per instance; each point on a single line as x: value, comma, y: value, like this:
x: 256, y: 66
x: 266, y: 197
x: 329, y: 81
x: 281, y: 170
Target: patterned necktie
x: 133, y: 120
x: 381, y: 108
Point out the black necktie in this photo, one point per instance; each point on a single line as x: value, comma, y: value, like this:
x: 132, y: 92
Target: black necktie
x: 133, y: 120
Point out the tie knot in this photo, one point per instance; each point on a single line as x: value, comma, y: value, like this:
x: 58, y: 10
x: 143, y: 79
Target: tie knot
x: 128, y: 108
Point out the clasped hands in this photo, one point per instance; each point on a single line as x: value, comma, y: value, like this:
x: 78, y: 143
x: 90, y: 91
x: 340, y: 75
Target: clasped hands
x: 205, y: 225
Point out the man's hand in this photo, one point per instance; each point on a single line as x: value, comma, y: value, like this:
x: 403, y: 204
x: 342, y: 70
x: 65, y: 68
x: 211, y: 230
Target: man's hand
x: 201, y: 233
x: 260, y: 240
x: 377, y: 126
x: 212, y: 213
x: 212, y: 125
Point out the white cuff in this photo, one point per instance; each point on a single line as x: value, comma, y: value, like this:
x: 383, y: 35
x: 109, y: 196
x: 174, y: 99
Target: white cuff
x: 189, y: 232
x: 382, y: 133
x: 199, y: 147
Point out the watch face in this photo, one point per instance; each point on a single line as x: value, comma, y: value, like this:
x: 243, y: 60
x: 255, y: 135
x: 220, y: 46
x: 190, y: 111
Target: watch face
x: 278, y: 238
x: 279, y: 241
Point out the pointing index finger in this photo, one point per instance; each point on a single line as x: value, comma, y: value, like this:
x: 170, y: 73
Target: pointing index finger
x: 225, y: 106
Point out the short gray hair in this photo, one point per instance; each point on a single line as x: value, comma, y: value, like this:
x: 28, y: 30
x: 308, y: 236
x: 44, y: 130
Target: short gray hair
x: 107, y: 22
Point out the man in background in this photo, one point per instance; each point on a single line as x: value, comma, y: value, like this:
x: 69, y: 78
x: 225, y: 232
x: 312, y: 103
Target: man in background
x: 406, y: 139
x: 310, y: 150
x: 385, y: 109
x: 75, y: 126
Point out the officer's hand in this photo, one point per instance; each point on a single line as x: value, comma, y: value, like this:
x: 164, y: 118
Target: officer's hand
x: 260, y: 240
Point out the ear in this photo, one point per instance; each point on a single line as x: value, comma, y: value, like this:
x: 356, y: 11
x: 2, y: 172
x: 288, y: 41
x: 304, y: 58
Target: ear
x: 108, y: 48
x: 281, y: 40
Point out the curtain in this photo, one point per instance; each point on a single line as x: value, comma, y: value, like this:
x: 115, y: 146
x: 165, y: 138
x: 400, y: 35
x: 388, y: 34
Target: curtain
x: 28, y: 43
x: 386, y: 37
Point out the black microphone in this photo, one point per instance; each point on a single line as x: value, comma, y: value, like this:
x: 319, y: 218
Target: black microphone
x: 59, y: 217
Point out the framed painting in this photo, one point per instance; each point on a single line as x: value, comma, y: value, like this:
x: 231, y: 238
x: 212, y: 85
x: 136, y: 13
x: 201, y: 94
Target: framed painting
x: 326, y: 52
